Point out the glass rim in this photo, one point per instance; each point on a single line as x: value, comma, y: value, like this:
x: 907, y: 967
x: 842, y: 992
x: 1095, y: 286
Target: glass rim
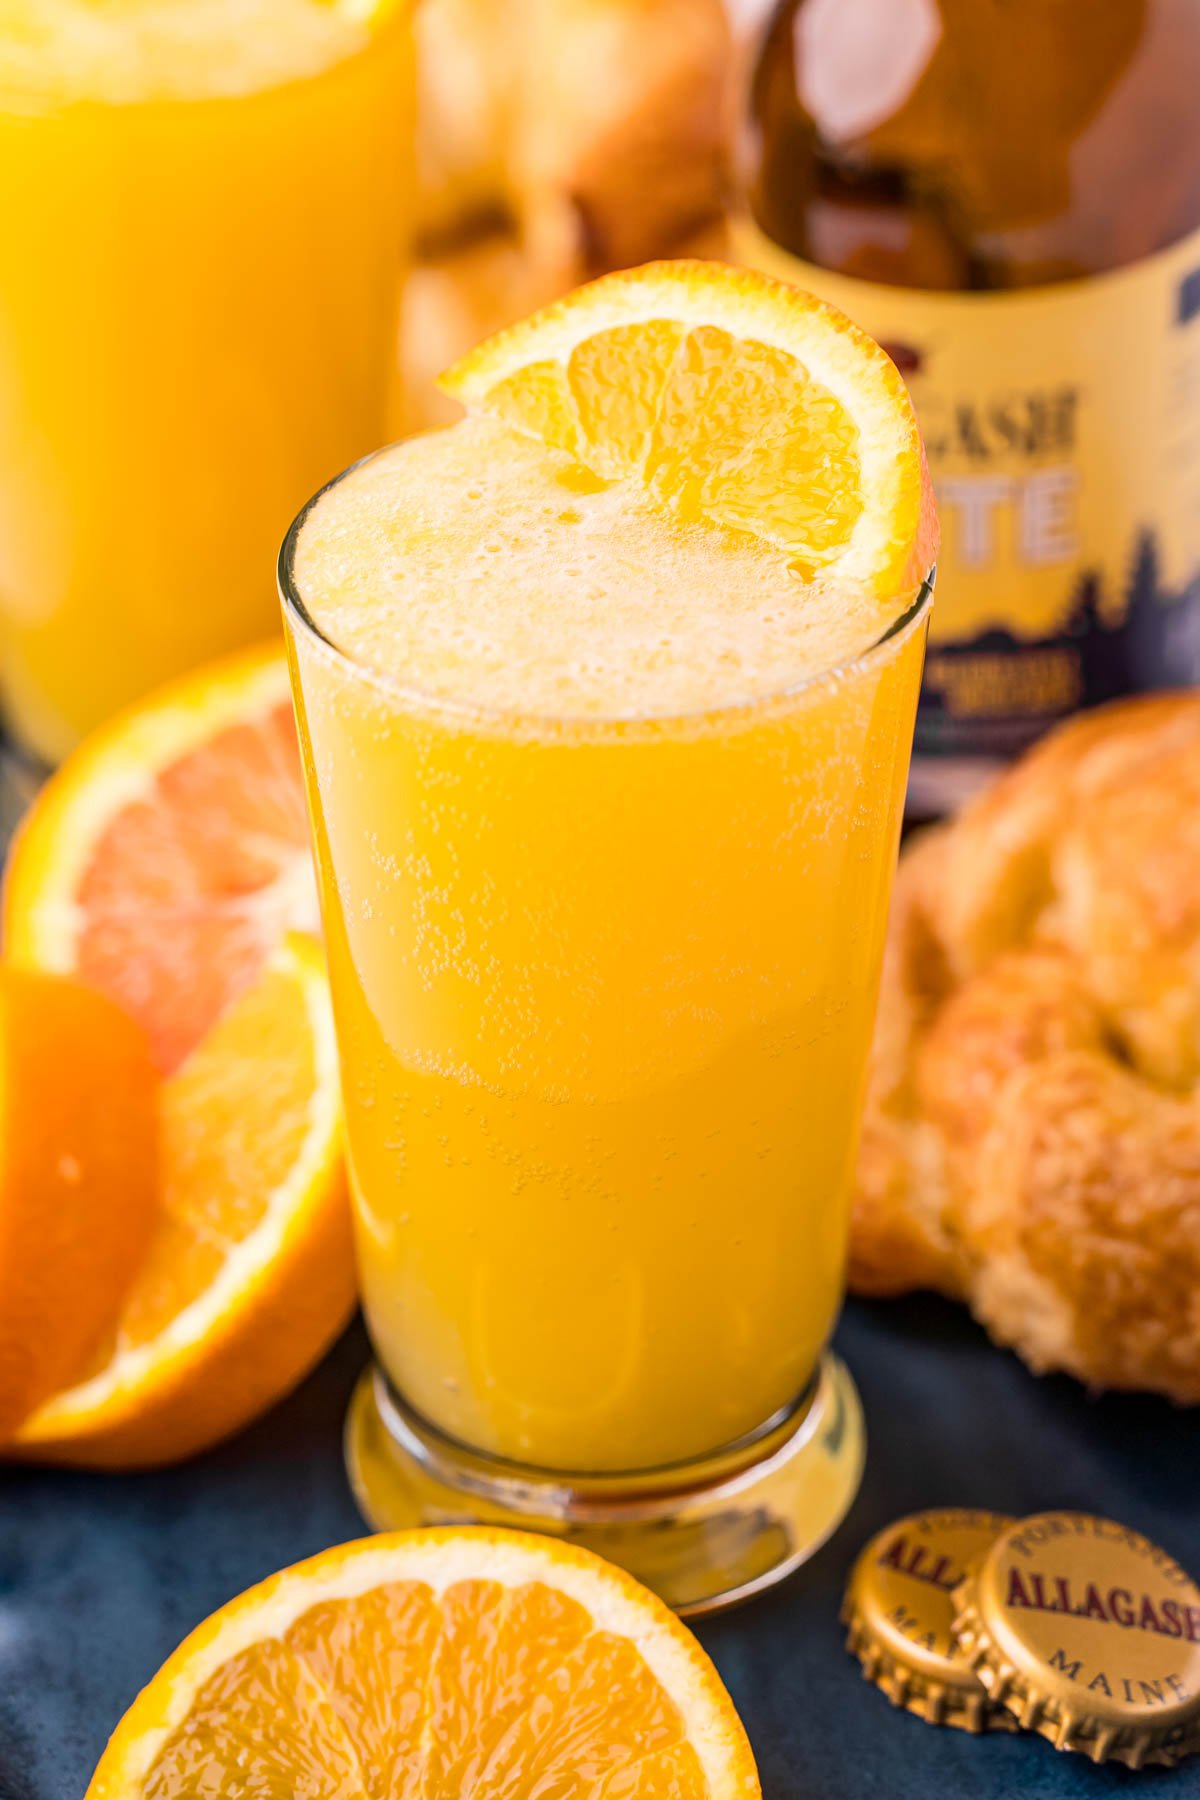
x: 420, y: 702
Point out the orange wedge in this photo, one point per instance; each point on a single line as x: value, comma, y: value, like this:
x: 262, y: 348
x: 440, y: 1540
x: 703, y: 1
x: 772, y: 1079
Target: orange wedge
x: 77, y: 1179
x: 430, y: 1665
x: 249, y: 1273
x: 168, y: 864
x: 732, y: 398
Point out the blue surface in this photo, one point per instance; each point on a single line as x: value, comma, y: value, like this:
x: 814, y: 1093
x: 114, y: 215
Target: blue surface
x: 101, y: 1576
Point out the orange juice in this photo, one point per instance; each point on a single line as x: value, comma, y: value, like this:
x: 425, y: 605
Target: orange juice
x: 606, y: 807
x: 203, y: 209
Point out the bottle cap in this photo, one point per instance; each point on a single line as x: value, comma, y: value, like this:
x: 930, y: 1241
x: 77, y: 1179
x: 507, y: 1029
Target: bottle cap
x: 900, y: 1614
x: 1089, y: 1634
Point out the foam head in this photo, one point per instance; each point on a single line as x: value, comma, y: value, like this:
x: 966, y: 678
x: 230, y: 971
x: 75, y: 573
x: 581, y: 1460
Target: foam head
x: 477, y: 567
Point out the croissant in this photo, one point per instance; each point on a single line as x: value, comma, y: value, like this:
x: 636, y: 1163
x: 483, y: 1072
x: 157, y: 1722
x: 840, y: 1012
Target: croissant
x: 1031, y: 1138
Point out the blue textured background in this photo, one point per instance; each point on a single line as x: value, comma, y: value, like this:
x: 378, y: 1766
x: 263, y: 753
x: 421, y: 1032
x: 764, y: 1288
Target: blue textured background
x: 101, y: 1576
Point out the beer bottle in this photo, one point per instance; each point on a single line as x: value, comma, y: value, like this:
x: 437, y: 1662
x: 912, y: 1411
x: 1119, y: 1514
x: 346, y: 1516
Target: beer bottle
x: 1006, y: 193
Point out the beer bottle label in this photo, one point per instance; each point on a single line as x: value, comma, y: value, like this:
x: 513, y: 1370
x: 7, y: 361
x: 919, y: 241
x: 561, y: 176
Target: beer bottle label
x: 1063, y: 431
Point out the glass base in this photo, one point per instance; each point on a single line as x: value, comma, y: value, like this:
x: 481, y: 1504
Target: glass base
x: 703, y: 1535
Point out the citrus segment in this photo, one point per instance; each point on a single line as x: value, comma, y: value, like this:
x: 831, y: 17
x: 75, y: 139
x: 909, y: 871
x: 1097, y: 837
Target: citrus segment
x: 617, y: 381
x: 170, y: 853
x: 538, y: 399
x: 78, y: 1169
x: 436, y: 1664
x: 743, y: 436
x: 732, y: 398
x: 371, y: 1655
x: 249, y: 1273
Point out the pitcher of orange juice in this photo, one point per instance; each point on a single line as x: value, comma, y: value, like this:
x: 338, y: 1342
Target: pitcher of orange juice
x: 201, y: 224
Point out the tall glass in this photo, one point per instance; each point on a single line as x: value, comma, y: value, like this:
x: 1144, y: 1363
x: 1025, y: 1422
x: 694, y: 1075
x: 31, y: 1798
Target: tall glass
x: 604, y: 992
x: 199, y: 270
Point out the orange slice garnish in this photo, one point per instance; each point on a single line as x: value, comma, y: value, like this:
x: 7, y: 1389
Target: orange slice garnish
x: 730, y: 398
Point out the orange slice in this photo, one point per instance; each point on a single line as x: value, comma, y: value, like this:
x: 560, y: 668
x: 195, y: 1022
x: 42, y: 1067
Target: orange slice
x: 430, y: 1665
x: 77, y: 1179
x: 167, y: 863
x: 732, y: 398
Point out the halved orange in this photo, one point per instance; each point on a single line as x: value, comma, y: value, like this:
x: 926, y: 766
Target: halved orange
x: 167, y: 863
x: 432, y: 1665
x: 730, y: 397
x: 78, y: 1176
x: 169, y: 854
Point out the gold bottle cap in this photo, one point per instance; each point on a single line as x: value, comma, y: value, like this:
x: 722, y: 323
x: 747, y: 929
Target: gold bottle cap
x: 1089, y: 1634
x: 900, y: 1615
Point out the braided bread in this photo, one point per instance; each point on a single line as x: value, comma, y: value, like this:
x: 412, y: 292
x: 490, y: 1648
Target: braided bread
x: 1031, y: 1141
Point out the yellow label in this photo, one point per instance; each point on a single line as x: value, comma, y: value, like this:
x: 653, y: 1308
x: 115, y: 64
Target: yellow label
x: 1063, y: 431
